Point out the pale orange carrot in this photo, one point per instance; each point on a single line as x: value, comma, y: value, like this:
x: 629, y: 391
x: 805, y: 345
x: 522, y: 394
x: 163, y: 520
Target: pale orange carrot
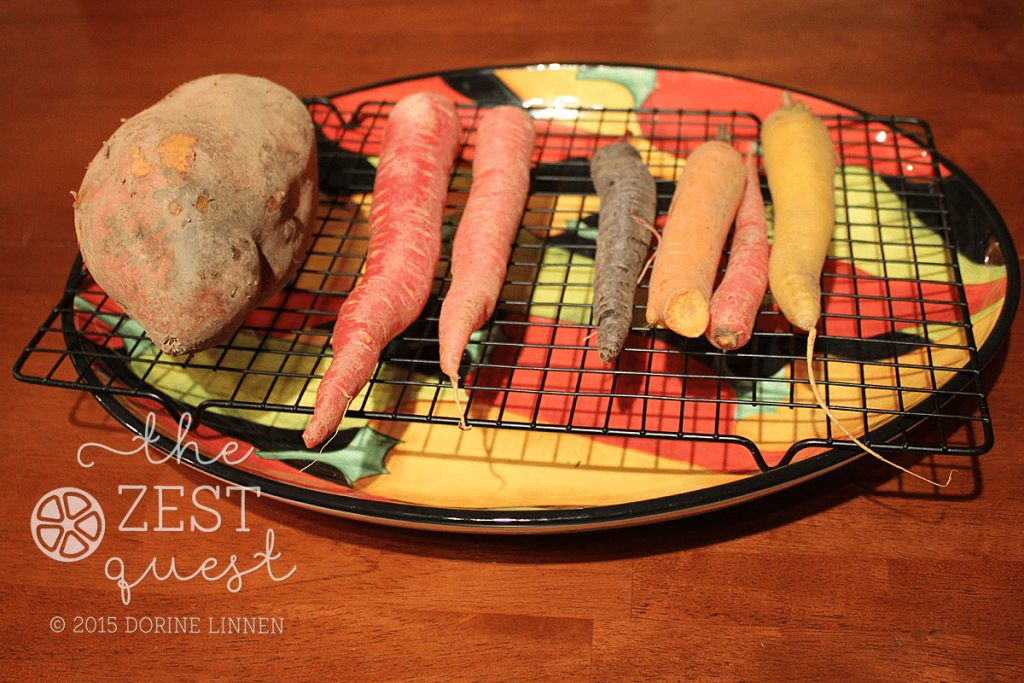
x: 703, y: 207
x: 421, y: 139
x: 735, y: 302
x: 483, y: 240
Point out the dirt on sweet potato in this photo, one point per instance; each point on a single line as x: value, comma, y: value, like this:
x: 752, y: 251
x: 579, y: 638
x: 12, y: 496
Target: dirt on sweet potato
x: 201, y: 207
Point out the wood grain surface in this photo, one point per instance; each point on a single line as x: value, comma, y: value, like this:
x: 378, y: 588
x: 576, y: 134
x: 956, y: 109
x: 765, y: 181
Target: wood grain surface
x: 861, y: 575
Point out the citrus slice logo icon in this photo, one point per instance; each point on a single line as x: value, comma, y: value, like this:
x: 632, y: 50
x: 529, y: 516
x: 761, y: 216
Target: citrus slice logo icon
x: 67, y: 524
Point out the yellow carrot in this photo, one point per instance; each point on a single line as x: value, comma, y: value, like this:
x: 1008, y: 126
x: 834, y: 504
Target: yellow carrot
x: 702, y: 211
x: 799, y: 160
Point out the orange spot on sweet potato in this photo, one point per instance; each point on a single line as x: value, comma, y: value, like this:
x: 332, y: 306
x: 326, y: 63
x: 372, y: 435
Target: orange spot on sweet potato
x: 176, y: 151
x: 140, y: 165
x: 274, y: 201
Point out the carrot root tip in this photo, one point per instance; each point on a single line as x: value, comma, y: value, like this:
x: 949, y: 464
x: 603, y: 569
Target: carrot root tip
x: 454, y: 379
x: 725, y: 339
x: 315, y: 460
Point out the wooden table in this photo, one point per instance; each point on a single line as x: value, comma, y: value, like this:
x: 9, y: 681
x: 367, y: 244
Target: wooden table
x: 860, y: 575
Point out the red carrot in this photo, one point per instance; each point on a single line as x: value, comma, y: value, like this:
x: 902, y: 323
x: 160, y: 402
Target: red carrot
x: 736, y: 300
x: 483, y: 241
x: 421, y: 139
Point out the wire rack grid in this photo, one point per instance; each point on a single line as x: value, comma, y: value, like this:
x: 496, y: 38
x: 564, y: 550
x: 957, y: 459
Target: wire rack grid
x: 896, y: 328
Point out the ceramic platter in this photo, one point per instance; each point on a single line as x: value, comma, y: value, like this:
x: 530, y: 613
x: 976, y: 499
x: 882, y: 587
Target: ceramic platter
x: 920, y: 289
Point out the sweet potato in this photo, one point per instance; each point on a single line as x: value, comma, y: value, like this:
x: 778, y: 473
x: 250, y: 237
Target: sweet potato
x: 201, y: 207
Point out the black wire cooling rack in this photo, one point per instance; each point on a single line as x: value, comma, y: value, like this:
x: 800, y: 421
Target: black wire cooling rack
x: 896, y: 330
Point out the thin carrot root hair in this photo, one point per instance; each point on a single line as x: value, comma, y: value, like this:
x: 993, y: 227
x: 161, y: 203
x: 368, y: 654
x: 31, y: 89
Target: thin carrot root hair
x: 811, y: 336
x: 463, y: 425
x: 344, y: 411
x: 657, y: 242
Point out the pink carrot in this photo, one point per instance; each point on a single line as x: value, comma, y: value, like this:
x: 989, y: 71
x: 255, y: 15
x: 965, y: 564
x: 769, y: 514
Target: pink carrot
x: 418, y: 150
x: 736, y: 301
x: 483, y: 240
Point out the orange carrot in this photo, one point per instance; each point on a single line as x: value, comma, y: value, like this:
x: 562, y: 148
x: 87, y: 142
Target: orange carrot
x: 483, y: 241
x: 703, y: 207
x: 421, y: 139
x: 734, y: 304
